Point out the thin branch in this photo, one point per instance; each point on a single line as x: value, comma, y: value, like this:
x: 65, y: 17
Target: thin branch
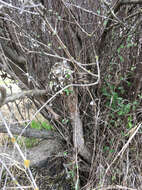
x: 133, y: 132
x: 113, y: 187
x: 30, y: 93
x: 114, y: 15
x: 17, y: 8
x: 130, y: 2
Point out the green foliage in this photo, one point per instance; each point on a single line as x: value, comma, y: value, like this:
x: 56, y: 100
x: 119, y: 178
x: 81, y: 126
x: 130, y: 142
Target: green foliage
x: 41, y: 125
x: 68, y: 91
x: 98, y: 12
x: 105, y: 23
x: 121, y: 58
x: 65, y: 154
x: 119, y: 49
x: 119, y: 107
x: 49, y: 45
x: 108, y: 149
x: 115, y: 100
x: 130, y: 42
x: 113, y: 178
x: 67, y: 76
x: 130, y: 122
x: 30, y: 142
x: 65, y: 121
x: 71, y: 173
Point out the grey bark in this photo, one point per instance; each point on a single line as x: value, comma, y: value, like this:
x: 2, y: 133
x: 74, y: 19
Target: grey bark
x: 37, y: 155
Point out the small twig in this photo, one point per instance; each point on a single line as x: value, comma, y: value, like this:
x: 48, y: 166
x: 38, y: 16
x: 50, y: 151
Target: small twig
x: 134, y: 131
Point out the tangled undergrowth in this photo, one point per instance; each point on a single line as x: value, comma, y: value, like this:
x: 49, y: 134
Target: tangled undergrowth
x: 95, y: 49
x: 114, y: 131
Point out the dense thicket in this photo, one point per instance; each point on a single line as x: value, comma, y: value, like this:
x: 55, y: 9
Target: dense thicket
x: 87, y: 56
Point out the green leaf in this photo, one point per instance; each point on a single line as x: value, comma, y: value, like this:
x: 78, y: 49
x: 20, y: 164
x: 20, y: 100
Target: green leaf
x: 47, y: 126
x: 130, y: 45
x: 121, y: 58
x: 49, y: 44
x: 130, y: 124
x: 106, y: 148
x: 65, y: 153
x: 105, y: 23
x: 120, y: 113
x: 67, y: 76
x: 112, y: 150
x: 41, y: 125
x: 122, y: 46
x: 36, y: 125
x: 113, y: 178
x: 65, y: 121
x: 59, y: 17
x: 98, y: 12
x: 129, y: 83
x: 129, y: 38
x: 67, y: 91
x: 118, y: 50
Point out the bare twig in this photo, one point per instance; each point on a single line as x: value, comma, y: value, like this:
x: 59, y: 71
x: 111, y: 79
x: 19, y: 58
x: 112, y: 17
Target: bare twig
x: 133, y: 132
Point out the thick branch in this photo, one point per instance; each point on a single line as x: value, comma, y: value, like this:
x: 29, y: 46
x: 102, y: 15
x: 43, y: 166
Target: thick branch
x: 78, y: 138
x: 20, y: 61
x: 23, y: 94
x: 37, y: 155
x: 28, y: 132
x: 17, y: 64
x: 131, y: 2
x: 30, y: 93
